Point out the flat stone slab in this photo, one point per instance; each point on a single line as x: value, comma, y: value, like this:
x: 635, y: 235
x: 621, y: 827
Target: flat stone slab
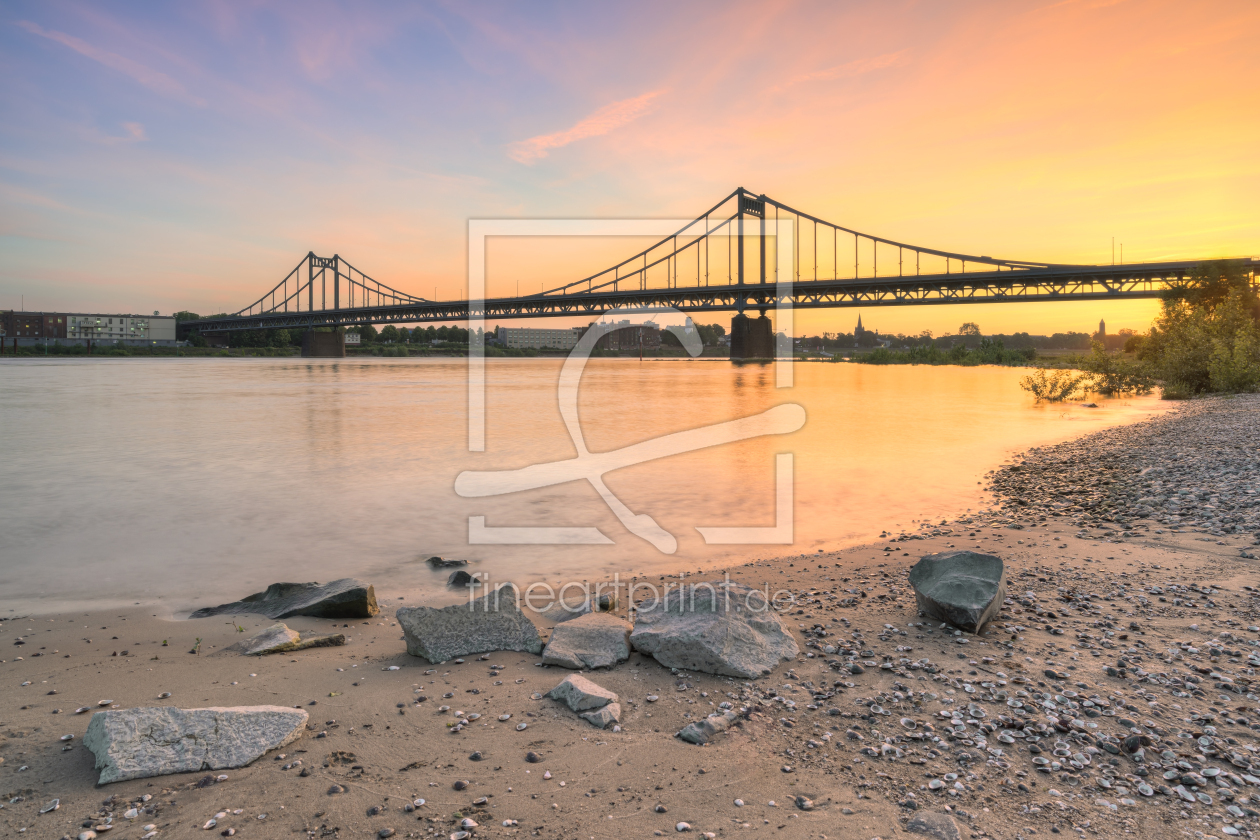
x: 594, y: 640
x: 963, y: 588
x: 492, y: 622
x: 277, y: 638
x: 580, y: 694
x: 345, y: 598
x: 715, y: 628
x: 280, y: 638
x: 156, y: 741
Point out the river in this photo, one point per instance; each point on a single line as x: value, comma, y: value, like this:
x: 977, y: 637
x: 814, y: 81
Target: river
x: 188, y: 482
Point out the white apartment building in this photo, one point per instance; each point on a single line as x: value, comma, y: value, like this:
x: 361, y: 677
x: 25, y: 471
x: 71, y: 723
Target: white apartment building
x: 140, y: 329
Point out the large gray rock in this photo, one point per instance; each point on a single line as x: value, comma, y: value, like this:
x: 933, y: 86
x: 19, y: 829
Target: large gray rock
x: 138, y: 743
x: 492, y: 622
x: 715, y: 628
x: 594, y: 640
x: 279, y: 638
x: 580, y: 694
x: 345, y: 598
x: 963, y: 588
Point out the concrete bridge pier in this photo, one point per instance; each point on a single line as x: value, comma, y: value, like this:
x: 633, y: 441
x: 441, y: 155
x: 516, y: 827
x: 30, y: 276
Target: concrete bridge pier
x: 751, y: 338
x: 323, y: 345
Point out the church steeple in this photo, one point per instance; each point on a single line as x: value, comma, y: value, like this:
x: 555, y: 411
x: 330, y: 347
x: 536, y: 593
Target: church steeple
x: 859, y: 330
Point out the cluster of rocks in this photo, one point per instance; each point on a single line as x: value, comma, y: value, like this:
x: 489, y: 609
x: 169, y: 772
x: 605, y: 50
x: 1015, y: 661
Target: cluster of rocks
x: 1197, y: 467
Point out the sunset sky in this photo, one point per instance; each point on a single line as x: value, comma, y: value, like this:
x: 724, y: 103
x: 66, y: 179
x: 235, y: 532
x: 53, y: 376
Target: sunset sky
x: 168, y: 156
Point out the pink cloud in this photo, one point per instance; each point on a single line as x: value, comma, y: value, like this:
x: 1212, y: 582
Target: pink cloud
x: 606, y: 119
x: 850, y: 69
x: 154, y: 80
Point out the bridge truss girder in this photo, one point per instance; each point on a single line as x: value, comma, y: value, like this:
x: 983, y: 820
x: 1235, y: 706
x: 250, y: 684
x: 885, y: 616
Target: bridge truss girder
x: 1134, y: 281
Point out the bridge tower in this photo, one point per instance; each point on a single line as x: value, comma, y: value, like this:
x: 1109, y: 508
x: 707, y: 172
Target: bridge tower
x: 323, y: 344
x: 751, y: 338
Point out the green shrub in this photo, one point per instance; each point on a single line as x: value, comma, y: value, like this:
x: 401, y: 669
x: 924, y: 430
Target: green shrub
x: 1109, y: 374
x: 1207, y: 336
x: 1053, y: 386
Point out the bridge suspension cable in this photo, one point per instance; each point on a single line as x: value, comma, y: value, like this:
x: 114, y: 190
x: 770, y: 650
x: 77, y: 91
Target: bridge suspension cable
x: 320, y: 288
x: 726, y: 220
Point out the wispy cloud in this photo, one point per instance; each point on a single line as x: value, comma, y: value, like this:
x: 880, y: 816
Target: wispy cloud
x: 133, y: 132
x: 849, y: 70
x: 606, y: 119
x: 154, y: 80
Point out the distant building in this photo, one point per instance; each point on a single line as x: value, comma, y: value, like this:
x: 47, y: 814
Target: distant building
x: 624, y: 335
x: 352, y: 338
x: 528, y: 338
x: 1102, y: 329
x: 33, y: 325
x: 75, y: 328
x: 871, y: 337
x: 129, y: 329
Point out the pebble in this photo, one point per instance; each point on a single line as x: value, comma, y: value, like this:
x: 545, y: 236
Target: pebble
x: 533, y: 757
x: 682, y: 826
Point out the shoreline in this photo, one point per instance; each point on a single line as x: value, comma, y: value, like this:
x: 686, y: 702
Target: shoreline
x: 1095, y: 621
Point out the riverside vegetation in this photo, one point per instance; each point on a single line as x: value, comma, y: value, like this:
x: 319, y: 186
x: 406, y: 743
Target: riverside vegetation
x: 1205, y: 340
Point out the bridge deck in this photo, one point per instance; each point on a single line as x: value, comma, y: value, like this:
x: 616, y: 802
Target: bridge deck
x: 1086, y: 282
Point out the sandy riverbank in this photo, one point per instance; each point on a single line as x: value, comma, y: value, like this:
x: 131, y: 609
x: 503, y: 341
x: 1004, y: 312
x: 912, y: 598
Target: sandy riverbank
x: 1170, y: 609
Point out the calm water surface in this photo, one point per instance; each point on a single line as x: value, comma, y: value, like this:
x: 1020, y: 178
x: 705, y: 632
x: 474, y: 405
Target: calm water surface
x: 188, y: 482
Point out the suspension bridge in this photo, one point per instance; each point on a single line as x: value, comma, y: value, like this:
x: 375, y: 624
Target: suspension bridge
x: 725, y: 260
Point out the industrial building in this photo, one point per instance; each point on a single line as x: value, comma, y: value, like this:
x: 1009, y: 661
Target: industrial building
x: 538, y: 339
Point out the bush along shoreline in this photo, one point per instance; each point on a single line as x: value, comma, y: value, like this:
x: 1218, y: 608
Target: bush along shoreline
x: 1206, y: 340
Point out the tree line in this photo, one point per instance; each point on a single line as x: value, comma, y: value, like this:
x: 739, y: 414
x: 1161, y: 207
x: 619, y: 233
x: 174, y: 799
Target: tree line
x: 1205, y: 340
